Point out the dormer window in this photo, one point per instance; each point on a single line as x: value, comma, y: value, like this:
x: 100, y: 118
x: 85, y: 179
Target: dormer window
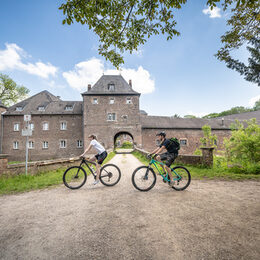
x: 69, y: 108
x: 19, y: 109
x: 111, y: 87
x: 41, y: 108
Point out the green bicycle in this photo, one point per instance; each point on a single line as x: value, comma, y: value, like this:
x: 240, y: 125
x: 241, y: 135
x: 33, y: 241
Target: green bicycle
x: 144, y: 177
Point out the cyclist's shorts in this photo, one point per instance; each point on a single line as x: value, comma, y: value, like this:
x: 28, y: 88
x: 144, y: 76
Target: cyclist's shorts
x: 101, y: 157
x: 168, y: 158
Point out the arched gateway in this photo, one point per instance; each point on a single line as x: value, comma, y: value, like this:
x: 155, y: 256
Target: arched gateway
x: 123, y: 142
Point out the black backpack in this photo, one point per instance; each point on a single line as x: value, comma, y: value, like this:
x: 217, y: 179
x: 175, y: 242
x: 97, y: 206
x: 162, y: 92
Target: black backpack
x: 174, y: 144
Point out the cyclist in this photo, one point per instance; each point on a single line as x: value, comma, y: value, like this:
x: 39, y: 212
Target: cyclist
x: 99, y: 157
x: 169, y: 156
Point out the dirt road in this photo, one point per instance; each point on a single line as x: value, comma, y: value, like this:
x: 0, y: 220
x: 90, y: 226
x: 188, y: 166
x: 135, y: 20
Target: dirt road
x: 210, y: 220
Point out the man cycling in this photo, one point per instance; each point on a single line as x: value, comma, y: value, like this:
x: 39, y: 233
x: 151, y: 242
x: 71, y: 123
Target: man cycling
x: 99, y: 158
x: 168, y: 156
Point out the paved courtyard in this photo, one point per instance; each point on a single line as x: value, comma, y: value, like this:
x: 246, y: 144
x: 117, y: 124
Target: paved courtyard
x: 209, y: 220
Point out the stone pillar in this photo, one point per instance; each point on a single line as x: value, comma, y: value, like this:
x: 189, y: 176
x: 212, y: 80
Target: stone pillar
x: 3, y: 163
x: 207, y: 156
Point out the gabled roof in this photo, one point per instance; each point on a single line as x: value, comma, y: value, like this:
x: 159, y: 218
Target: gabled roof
x: 51, y: 104
x: 121, y: 86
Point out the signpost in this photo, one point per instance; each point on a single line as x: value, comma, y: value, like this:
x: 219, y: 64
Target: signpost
x: 26, y: 132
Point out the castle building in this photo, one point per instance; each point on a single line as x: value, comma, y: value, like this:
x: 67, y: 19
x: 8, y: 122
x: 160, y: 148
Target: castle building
x: 109, y: 109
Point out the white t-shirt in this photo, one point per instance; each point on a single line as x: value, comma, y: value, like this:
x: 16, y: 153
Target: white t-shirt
x: 100, y: 149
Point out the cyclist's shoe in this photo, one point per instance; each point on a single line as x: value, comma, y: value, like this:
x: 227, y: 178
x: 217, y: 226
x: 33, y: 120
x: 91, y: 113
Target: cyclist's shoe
x: 95, y: 182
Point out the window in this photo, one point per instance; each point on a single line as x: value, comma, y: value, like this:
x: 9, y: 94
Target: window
x: 19, y: 108
x: 15, y: 145
x: 31, y: 126
x: 111, y: 116
x: 16, y: 126
x: 79, y: 144
x: 111, y: 87
x: 45, y: 145
x: 95, y: 101
x: 183, y: 142
x: 69, y: 108
x: 63, y: 143
x: 128, y: 101
x: 45, y: 126
x: 31, y: 145
x: 111, y: 101
x: 63, y: 126
x: 41, y: 108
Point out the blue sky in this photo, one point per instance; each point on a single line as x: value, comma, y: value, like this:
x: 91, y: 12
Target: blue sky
x: 180, y: 76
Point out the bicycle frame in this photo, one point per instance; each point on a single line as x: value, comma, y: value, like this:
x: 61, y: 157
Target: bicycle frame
x: 163, y: 174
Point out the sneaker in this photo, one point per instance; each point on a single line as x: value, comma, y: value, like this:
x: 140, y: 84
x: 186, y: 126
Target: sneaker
x: 95, y: 182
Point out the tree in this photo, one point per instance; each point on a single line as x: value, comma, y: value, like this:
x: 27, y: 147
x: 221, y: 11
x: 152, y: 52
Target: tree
x: 257, y: 105
x: 190, y: 116
x: 243, y: 146
x: 208, y: 140
x: 124, y: 25
x: 245, y: 29
x: 10, y: 92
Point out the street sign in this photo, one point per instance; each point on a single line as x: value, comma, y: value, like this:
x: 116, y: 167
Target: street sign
x: 27, y: 118
x: 26, y: 132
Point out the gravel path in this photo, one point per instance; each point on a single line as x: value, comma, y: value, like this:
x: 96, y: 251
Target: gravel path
x: 209, y: 220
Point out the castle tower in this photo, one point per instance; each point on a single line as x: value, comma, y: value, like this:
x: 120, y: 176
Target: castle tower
x: 111, y: 108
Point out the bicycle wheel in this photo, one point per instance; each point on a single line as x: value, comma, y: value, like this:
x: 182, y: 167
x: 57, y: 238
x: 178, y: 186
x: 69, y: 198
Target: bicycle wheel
x: 74, y: 177
x: 181, y: 177
x: 110, y: 175
x: 143, y: 178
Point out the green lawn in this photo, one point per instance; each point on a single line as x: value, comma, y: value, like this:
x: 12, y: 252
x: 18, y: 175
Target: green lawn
x: 22, y: 183
x: 207, y: 173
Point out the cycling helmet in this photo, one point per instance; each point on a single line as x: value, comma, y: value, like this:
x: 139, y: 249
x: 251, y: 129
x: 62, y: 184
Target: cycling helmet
x: 161, y: 134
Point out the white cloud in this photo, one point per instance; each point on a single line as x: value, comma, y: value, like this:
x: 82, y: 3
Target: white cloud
x: 214, y: 13
x: 88, y: 72
x: 11, y: 58
x: 253, y: 100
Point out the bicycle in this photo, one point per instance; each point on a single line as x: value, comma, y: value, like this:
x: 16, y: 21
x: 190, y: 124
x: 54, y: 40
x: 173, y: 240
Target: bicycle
x: 75, y: 177
x: 144, y: 177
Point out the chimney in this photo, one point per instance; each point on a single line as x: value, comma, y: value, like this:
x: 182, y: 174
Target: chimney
x: 222, y: 120
x: 89, y: 87
x: 130, y: 83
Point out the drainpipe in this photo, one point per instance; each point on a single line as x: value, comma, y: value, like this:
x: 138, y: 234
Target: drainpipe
x: 2, y: 132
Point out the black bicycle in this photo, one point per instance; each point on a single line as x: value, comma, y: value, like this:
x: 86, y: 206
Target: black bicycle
x: 76, y: 176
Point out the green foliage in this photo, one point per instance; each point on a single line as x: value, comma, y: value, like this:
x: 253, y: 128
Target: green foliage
x: 197, y: 152
x: 257, y: 105
x: 208, y: 140
x: 190, y: 116
x: 245, y: 24
x: 124, y: 25
x: 127, y: 145
x: 243, y: 147
x: 10, y: 92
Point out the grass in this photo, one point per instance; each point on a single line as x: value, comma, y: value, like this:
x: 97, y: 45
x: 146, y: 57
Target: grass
x: 207, y: 173
x: 22, y: 182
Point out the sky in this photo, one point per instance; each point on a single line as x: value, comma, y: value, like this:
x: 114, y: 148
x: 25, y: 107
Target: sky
x: 180, y: 76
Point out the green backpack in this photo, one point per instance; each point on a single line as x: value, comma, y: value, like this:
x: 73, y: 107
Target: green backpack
x: 174, y: 143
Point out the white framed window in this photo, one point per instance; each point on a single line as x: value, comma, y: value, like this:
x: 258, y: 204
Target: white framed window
x: 79, y: 143
x: 45, y: 126
x: 111, y: 87
x: 111, y: 116
x: 63, y: 126
x: 183, y: 142
x: 31, y: 144
x: 16, y: 126
x: 128, y: 100
x: 95, y: 101
x: 68, y: 107
x: 15, y: 145
x: 45, y: 145
x: 111, y: 100
x: 19, y: 108
x: 31, y: 126
x: 41, y: 108
x: 63, y: 143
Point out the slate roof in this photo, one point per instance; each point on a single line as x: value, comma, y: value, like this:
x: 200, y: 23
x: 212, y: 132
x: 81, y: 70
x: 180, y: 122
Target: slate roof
x: 121, y: 86
x: 52, y: 105
x: 244, y: 116
x: 163, y: 122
